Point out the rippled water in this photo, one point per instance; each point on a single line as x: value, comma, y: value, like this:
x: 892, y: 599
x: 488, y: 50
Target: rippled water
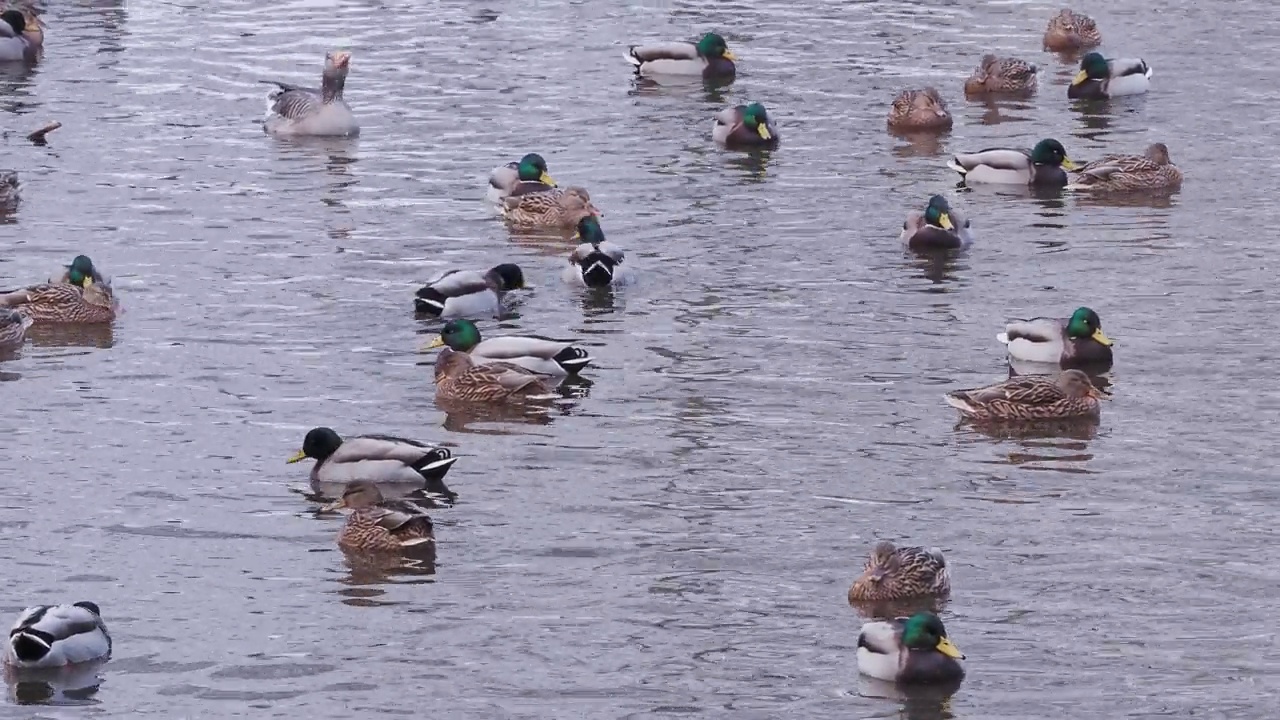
x: 678, y: 540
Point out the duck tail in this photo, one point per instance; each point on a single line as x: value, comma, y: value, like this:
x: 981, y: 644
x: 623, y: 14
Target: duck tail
x: 957, y: 166
x: 633, y: 58
x: 430, y: 301
x: 1002, y: 338
x: 959, y: 402
x: 572, y: 359
x: 31, y: 646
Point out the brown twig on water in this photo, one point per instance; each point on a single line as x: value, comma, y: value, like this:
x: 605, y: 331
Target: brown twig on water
x: 38, y: 138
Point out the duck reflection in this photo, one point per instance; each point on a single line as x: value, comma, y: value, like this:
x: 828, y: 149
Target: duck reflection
x: 927, y: 702
x: 918, y: 144
x: 752, y: 164
x: 55, y: 335
x: 68, y: 685
x: 416, y: 564
x: 937, y: 266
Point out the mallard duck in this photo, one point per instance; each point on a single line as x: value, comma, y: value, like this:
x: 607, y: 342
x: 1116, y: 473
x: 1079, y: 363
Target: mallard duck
x: 10, y: 190
x: 529, y: 175
x: 744, y: 126
x: 294, y: 111
x: 1075, y: 342
x: 556, y: 208
x: 919, y: 110
x: 914, y: 650
x: 1152, y: 170
x: 13, y: 328
x: 399, y: 466
x: 938, y: 227
x: 458, y: 377
x: 469, y: 293
x: 1002, y: 75
x: 380, y: 525
x: 596, y: 262
x: 895, y: 573
x: 47, y: 636
x: 81, y: 295
x: 1031, y: 397
x: 1100, y: 78
x: 709, y: 57
x: 1069, y: 31
x: 15, y: 44
x: 541, y: 355
x: 1043, y: 165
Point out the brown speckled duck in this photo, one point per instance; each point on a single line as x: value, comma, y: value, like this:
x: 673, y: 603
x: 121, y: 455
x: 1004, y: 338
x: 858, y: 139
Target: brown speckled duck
x: 1031, y: 397
x: 1068, y: 31
x: 914, y: 110
x: 380, y: 525
x: 895, y: 573
x: 1153, y: 170
x: 458, y: 377
x: 556, y: 208
x: 81, y: 295
x: 997, y: 75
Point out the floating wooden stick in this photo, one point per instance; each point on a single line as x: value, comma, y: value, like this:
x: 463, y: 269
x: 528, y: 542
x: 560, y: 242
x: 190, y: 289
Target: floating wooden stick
x: 37, y: 137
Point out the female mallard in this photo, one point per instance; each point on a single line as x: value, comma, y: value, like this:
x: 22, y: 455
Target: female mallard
x: 1043, y: 165
x: 554, y: 208
x: 469, y: 293
x: 13, y: 328
x: 400, y: 467
x: 1152, y: 170
x: 459, y: 378
x: 709, y: 57
x: 919, y: 110
x: 49, y: 636
x: 596, y: 262
x: 380, y: 525
x: 912, y: 650
x: 1031, y: 397
x: 744, y: 126
x: 1075, y: 342
x: 1100, y: 78
x: 16, y: 45
x: 529, y: 175
x: 81, y: 295
x: 938, y: 227
x: 541, y: 355
x: 294, y: 111
x: 1002, y: 76
x: 1068, y: 31
x: 895, y: 573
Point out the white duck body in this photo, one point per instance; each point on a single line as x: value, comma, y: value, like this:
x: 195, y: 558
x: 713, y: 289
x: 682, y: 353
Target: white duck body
x: 667, y: 58
x: 48, y: 636
x: 1129, y: 76
x: 398, y: 466
x: 1038, y: 340
x: 541, y: 355
x: 469, y: 293
x: 294, y: 111
x: 14, y: 45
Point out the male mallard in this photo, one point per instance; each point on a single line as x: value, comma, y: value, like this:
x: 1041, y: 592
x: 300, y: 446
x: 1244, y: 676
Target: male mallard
x: 458, y: 377
x: 15, y: 44
x: 81, y: 295
x: 1069, y: 31
x: 1042, y: 165
x: 938, y: 227
x: 400, y: 467
x: 895, y: 573
x: 555, y: 208
x: 919, y: 110
x: 1002, y: 75
x: 1100, y: 78
x: 293, y: 110
x: 13, y: 328
x: 529, y: 175
x: 541, y: 355
x: 912, y: 650
x: 1152, y: 170
x: 380, y: 525
x: 1031, y: 397
x: 744, y: 126
x: 710, y: 58
x: 469, y: 293
x: 47, y: 636
x: 1075, y: 342
x: 596, y: 262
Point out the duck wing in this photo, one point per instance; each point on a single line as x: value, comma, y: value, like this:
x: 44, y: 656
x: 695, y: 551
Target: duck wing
x: 881, y: 637
x: 1022, y: 390
x: 1035, y: 330
x: 638, y: 54
x: 293, y: 102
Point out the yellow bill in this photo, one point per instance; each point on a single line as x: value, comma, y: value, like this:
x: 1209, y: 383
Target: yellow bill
x: 946, y: 647
x: 298, y: 457
x: 1101, y: 337
x: 729, y: 56
x: 1080, y: 77
x: 944, y: 220
x: 438, y: 342
x: 1067, y: 164
x: 88, y: 282
x: 335, y: 505
x: 764, y: 131
x: 546, y: 179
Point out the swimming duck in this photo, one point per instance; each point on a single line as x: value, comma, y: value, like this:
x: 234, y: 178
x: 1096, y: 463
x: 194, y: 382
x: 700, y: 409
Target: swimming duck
x: 13, y: 328
x: 529, y: 175
x: 938, y: 227
x: 919, y: 110
x: 894, y: 573
x: 1153, y: 170
x: 541, y: 355
x: 1069, y: 31
x: 555, y: 208
x: 1031, y: 397
x: 399, y: 466
x: 1100, y: 78
x: 744, y: 126
x: 47, y: 636
x: 294, y: 111
x: 15, y: 43
x: 380, y: 525
x: 81, y: 295
x: 469, y: 293
x: 1002, y: 75
x: 596, y: 262
x: 709, y: 57
x: 914, y: 650
x: 1075, y: 342
x: 458, y: 377
x: 1043, y: 165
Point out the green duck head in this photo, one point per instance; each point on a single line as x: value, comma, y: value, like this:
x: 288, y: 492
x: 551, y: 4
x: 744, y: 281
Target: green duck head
x: 925, y: 631
x: 532, y: 168
x: 81, y: 271
x: 754, y: 116
x: 1092, y: 67
x: 1050, y: 152
x: 1085, y: 323
x: 713, y: 46
x: 319, y: 444
x: 460, y: 335
x: 938, y: 213
x: 589, y: 230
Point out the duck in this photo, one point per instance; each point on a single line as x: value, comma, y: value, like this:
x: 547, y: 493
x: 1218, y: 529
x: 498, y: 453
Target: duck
x: 13, y: 328
x: 555, y: 208
x: 537, y: 354
x: 595, y: 262
x: 1075, y: 342
x: 896, y: 573
x: 10, y: 189
x: 709, y: 58
x: 297, y: 111
x: 1068, y: 31
x: 399, y: 466
x: 744, y: 126
x: 913, y: 650
x: 1002, y: 75
x: 17, y: 44
x: 1044, y: 165
x: 80, y: 295
x: 1101, y: 78
x: 379, y: 525
x: 458, y: 377
x: 938, y: 227
x: 1031, y: 397
x: 1152, y: 170
x: 528, y: 175
x: 922, y: 109
x: 48, y: 636
x: 469, y: 293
